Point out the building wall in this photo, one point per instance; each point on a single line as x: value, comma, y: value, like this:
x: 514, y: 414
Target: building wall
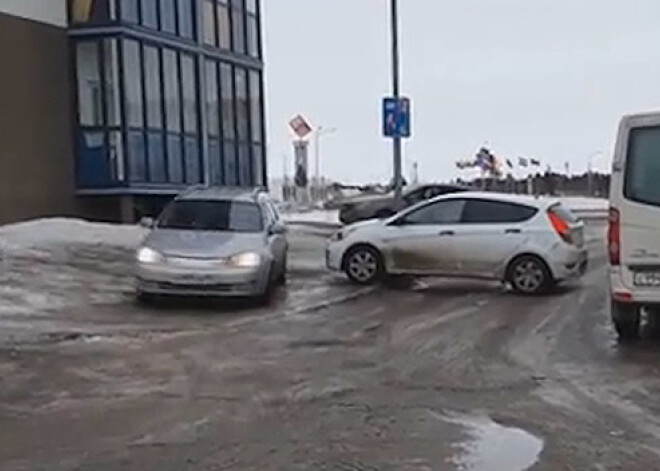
x: 36, y: 155
x: 46, y: 11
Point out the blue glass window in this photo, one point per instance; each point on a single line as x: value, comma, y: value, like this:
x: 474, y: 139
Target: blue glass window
x: 186, y: 15
x: 129, y: 10
x: 244, y: 165
x: 224, y: 26
x: 93, y: 167
x: 256, y: 118
x: 238, y: 27
x: 189, y: 86
x: 215, y: 162
x: 174, y: 159
x: 136, y: 157
x: 253, y: 36
x: 150, y: 13
x: 156, y: 157
x: 133, y: 83
x: 192, y: 161
x: 229, y: 157
x: 242, y: 104
x: 171, y: 82
x: 258, y: 165
x: 168, y: 16
x: 227, y: 96
x: 212, y: 105
x: 152, y: 87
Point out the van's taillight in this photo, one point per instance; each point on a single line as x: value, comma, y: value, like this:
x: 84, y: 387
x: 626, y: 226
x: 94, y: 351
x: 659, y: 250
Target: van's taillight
x: 561, y: 226
x: 614, y: 237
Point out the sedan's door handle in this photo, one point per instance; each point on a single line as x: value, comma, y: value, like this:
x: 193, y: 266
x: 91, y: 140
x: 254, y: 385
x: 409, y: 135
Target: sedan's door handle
x: 446, y: 233
x: 512, y: 231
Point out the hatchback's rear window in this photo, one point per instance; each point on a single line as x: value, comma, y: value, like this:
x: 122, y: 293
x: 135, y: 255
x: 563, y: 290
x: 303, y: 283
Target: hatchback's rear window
x: 565, y: 213
x: 642, y: 181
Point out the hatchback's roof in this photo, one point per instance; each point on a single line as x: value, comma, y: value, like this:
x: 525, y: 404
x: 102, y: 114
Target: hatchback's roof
x: 221, y: 193
x: 537, y: 202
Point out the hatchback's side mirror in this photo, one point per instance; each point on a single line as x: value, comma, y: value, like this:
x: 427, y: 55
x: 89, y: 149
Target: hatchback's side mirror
x: 277, y: 229
x: 147, y: 223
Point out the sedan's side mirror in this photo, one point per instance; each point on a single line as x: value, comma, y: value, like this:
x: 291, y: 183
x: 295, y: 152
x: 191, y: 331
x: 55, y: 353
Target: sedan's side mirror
x: 277, y: 229
x: 147, y: 223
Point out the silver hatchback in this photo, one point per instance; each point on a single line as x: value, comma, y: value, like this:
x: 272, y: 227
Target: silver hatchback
x: 214, y: 242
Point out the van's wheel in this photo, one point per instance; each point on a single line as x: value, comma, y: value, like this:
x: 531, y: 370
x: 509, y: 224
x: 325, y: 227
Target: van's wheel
x: 364, y: 265
x: 529, y: 275
x: 626, y: 319
x: 282, y: 278
x: 146, y: 299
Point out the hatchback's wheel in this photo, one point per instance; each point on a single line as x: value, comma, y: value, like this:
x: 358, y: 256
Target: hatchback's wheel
x: 626, y: 319
x: 364, y: 265
x: 529, y: 275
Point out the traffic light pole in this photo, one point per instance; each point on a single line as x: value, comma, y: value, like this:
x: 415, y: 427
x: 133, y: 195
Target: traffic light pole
x: 398, y: 181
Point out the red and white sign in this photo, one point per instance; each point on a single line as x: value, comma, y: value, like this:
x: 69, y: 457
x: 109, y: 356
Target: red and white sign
x: 300, y: 127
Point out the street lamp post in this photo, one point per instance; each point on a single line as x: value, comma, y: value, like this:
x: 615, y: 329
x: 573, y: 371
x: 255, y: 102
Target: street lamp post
x: 318, y: 134
x: 398, y: 184
x: 590, y: 178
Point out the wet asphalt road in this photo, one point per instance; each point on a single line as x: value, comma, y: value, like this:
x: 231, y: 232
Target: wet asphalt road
x: 330, y: 378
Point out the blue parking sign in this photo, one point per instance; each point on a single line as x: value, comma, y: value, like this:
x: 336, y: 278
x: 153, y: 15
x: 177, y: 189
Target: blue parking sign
x: 396, y: 117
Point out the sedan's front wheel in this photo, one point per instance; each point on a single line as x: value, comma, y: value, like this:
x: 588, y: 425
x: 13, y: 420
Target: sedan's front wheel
x: 364, y: 265
x: 529, y: 275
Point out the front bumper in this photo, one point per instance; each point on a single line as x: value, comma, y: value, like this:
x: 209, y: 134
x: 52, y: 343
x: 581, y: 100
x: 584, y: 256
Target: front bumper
x: 225, y: 281
x: 333, y: 256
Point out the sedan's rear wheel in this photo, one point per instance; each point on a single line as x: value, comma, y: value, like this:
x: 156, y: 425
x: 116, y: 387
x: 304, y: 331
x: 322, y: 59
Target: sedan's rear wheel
x: 363, y: 265
x: 529, y: 275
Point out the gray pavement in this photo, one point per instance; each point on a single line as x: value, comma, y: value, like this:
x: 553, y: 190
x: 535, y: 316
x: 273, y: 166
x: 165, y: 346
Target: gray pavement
x: 448, y: 375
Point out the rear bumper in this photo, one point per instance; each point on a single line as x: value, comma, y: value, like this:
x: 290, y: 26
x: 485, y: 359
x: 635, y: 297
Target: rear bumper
x: 622, y: 292
x: 573, y: 264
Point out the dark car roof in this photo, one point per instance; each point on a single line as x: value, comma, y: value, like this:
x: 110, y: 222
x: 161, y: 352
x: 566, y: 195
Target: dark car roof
x: 221, y: 193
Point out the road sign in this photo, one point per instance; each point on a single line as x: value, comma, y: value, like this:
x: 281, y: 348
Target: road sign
x: 396, y: 117
x: 300, y: 126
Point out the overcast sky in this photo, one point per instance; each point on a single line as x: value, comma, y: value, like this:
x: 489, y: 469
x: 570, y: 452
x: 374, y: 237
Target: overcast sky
x: 542, y: 78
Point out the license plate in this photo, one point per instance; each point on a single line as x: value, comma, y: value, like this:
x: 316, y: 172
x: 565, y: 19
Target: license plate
x: 196, y: 280
x: 647, y: 278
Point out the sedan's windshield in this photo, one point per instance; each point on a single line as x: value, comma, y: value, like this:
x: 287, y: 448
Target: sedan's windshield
x: 199, y: 215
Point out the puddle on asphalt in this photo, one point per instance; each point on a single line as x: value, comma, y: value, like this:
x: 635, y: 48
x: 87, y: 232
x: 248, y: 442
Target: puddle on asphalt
x: 492, y: 446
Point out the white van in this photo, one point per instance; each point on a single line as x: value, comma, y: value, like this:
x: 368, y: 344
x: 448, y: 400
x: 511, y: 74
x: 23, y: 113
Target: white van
x: 634, y: 223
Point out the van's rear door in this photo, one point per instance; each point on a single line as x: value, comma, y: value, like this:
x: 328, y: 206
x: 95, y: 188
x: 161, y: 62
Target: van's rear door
x: 636, y: 195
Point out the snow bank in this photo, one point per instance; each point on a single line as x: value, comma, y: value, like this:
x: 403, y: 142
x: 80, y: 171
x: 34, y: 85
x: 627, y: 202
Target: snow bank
x: 45, y: 233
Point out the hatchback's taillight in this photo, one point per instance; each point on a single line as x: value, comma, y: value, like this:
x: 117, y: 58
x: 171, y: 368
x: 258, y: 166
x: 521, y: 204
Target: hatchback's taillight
x: 560, y: 225
x: 614, y: 236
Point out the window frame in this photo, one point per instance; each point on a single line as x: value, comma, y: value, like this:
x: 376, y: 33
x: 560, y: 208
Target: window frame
x: 403, y: 219
x: 628, y: 191
x: 533, y: 212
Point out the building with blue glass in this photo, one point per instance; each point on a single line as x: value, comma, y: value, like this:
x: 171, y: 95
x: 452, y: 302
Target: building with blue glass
x: 162, y: 94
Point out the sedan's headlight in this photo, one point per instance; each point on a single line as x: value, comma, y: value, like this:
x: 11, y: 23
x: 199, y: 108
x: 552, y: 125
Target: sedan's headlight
x: 149, y: 256
x: 245, y: 260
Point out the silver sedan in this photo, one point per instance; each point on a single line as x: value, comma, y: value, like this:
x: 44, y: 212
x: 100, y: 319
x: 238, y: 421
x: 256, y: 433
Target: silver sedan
x: 214, y: 243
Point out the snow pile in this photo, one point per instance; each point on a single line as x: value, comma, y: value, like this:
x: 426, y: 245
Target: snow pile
x: 320, y: 217
x: 581, y: 203
x: 46, y: 233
